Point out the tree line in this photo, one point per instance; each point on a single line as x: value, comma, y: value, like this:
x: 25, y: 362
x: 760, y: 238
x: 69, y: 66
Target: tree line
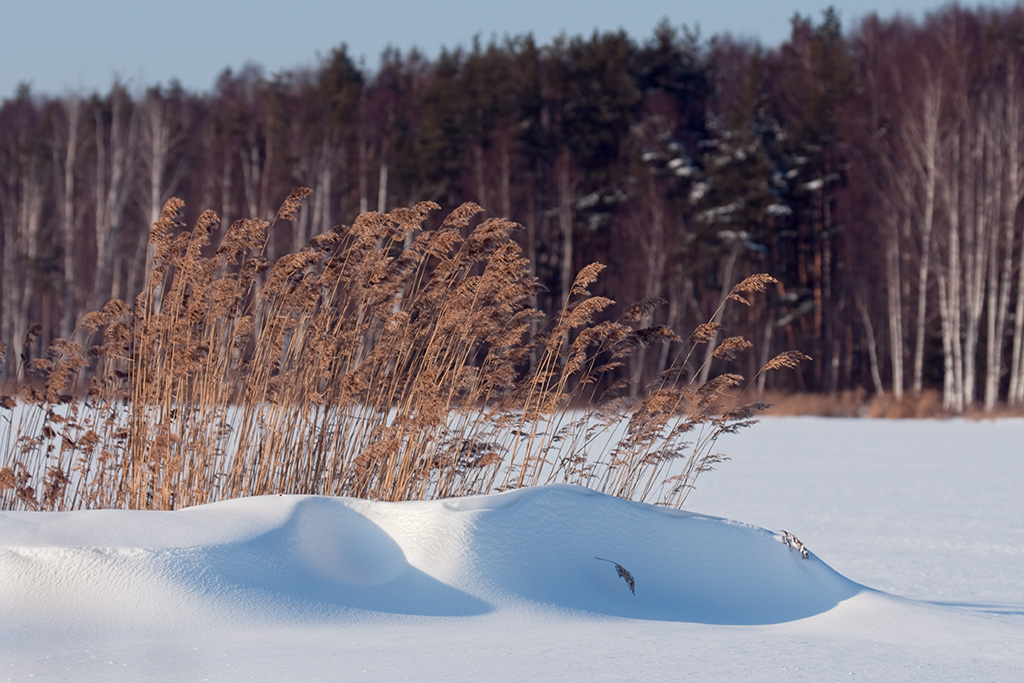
x: 876, y: 172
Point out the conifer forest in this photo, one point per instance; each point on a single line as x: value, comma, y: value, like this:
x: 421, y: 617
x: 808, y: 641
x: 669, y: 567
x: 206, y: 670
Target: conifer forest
x: 875, y: 170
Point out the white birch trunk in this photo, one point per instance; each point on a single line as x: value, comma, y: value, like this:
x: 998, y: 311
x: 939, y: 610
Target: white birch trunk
x: 111, y: 190
x: 894, y: 299
x: 67, y: 162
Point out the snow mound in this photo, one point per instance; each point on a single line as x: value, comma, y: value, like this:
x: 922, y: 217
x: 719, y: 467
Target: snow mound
x: 686, y: 567
x: 547, y: 549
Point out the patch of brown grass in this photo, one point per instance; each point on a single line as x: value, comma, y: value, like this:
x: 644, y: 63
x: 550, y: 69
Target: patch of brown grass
x: 927, y: 404
x: 857, y: 403
x: 383, y: 360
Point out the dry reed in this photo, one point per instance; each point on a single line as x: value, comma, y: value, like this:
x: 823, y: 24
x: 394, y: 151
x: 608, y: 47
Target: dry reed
x: 383, y: 360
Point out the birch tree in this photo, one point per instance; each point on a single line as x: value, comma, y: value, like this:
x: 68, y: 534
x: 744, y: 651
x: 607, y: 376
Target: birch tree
x: 115, y: 131
x: 66, y: 150
x: 162, y: 125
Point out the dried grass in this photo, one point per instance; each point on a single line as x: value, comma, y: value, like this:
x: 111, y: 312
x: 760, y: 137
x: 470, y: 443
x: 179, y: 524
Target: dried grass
x: 383, y: 360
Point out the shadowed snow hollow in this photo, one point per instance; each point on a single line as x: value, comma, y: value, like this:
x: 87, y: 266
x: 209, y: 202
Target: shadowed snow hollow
x: 323, y: 558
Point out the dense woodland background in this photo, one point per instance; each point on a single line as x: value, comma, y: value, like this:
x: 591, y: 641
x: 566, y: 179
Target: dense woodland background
x: 876, y: 171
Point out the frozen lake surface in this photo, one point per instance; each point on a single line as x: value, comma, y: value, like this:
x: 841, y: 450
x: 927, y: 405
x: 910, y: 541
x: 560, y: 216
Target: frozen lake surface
x: 915, y: 531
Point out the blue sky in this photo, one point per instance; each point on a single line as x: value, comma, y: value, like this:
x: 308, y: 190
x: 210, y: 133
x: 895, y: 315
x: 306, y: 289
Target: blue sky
x: 60, y: 46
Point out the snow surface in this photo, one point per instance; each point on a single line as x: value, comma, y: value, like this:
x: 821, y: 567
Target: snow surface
x: 510, y: 587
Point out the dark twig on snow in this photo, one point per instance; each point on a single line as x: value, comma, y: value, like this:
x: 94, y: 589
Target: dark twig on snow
x: 624, y: 573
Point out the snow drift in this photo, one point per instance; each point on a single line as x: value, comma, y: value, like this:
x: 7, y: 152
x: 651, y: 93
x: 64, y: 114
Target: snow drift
x: 306, y: 557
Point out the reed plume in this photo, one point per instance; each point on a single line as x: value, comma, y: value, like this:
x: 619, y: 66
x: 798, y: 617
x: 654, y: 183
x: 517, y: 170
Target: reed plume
x: 385, y: 360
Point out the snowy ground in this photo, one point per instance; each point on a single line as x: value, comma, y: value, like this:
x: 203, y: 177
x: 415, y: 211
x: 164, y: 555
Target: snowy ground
x: 508, y: 587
